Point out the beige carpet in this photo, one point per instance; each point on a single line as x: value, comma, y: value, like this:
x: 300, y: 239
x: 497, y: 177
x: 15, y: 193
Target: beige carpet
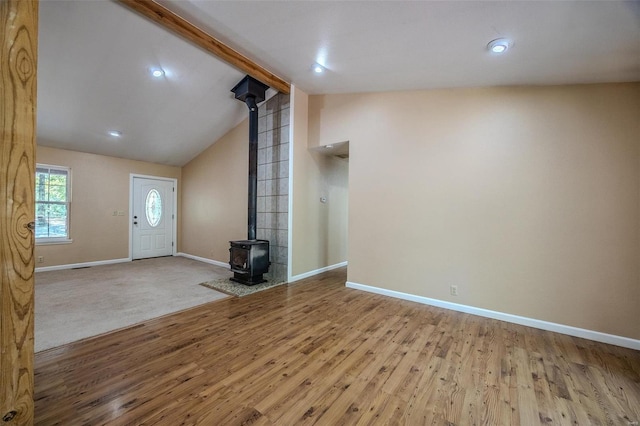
x: 73, y: 304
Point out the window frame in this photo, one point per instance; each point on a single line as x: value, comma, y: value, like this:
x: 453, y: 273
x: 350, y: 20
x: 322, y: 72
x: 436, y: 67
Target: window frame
x: 55, y: 240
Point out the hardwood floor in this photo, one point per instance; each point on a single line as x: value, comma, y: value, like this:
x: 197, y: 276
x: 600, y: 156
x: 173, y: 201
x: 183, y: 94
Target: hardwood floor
x: 315, y: 352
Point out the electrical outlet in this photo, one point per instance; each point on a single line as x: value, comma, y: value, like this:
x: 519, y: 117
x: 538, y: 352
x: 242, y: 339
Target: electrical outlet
x: 454, y: 290
x: 115, y: 213
x: 120, y: 213
x: 40, y: 259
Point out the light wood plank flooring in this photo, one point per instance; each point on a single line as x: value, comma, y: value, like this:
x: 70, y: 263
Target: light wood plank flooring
x: 315, y: 352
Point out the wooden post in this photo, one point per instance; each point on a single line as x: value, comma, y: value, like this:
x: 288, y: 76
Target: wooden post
x: 18, y: 61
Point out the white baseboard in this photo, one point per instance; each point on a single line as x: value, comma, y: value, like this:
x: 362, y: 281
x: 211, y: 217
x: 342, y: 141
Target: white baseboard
x: 82, y: 265
x: 205, y: 260
x: 316, y: 272
x: 530, y: 322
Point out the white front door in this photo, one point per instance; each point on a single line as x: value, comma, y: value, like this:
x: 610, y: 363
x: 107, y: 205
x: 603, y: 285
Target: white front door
x: 152, y: 215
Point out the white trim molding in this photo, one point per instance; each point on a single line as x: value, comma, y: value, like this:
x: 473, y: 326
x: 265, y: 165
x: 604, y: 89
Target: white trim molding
x: 205, y: 260
x: 317, y: 271
x: 53, y: 241
x: 529, y: 322
x: 82, y: 265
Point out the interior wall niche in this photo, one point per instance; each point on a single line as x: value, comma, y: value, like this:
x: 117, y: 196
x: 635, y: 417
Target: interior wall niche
x: 273, y: 182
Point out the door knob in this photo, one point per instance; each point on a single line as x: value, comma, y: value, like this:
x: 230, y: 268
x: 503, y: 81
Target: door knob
x: 135, y: 223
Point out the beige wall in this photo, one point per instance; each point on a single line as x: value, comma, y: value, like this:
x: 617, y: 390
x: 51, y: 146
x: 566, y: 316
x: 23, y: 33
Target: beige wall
x: 100, y: 185
x: 319, y: 233
x: 526, y: 198
x: 214, y: 202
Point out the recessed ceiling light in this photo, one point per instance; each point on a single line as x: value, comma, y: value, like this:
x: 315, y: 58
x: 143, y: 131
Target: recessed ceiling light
x: 157, y: 72
x: 317, y: 68
x: 329, y: 146
x: 499, y: 45
x: 115, y: 133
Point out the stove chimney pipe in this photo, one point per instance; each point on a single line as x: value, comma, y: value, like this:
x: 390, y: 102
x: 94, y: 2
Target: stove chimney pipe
x: 251, y: 92
x: 253, y: 167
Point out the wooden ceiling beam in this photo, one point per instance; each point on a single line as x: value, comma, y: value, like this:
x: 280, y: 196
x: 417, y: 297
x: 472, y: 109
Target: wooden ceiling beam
x: 195, y: 35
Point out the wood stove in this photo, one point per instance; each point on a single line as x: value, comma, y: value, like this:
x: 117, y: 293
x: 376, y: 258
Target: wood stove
x: 249, y: 258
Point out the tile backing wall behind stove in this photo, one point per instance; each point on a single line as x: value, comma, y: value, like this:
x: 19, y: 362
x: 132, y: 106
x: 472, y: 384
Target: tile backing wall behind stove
x: 273, y: 182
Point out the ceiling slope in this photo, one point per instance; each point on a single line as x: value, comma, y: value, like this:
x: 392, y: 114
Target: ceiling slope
x: 406, y: 45
x: 95, y: 59
x: 94, y: 75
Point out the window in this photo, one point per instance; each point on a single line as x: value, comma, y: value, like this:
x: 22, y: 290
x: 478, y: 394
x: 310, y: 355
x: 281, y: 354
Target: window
x: 53, y: 199
x: 153, y: 208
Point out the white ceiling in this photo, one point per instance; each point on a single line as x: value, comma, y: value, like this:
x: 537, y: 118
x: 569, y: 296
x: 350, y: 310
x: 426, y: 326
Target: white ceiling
x: 94, y: 59
x: 94, y: 63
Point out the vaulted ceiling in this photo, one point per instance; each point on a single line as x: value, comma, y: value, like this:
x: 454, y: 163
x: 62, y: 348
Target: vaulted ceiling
x: 95, y: 60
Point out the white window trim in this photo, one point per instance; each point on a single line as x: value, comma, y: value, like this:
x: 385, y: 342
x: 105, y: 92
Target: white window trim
x: 51, y: 241
x: 58, y: 240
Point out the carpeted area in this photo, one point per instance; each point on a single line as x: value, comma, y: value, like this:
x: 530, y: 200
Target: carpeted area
x: 74, y: 304
x: 236, y: 289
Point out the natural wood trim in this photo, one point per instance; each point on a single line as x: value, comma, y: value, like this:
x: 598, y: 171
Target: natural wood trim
x: 181, y: 26
x: 18, y: 45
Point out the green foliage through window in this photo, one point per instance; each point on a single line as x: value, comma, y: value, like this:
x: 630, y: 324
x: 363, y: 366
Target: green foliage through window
x: 53, y: 196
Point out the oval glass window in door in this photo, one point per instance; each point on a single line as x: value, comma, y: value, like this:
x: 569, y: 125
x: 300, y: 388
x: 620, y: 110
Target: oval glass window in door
x: 153, y: 208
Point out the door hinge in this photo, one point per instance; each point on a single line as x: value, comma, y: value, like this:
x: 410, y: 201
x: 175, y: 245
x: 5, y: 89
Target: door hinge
x: 171, y: 243
x: 173, y: 216
x: 173, y: 189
